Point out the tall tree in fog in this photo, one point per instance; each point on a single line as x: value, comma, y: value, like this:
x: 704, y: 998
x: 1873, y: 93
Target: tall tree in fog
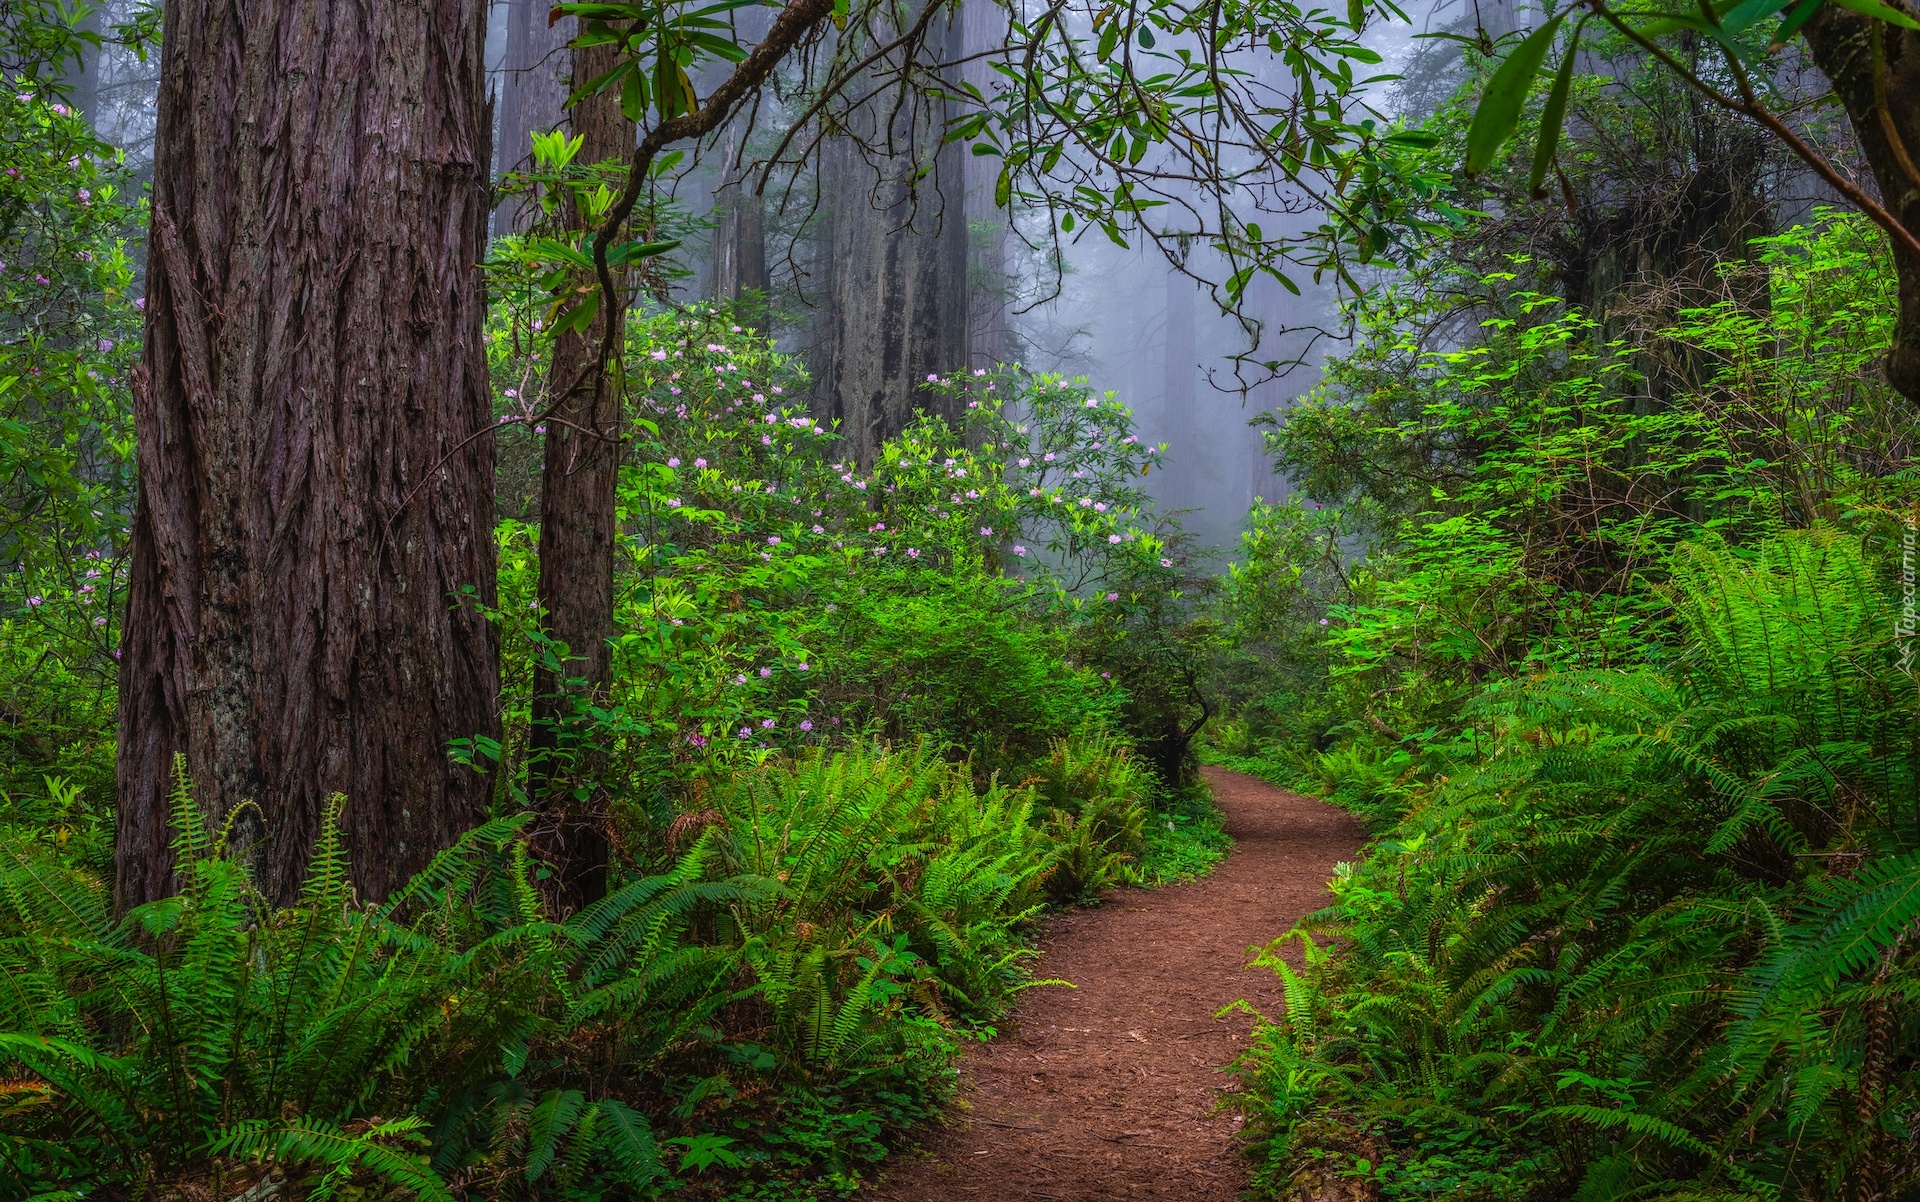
x: 1179, y: 366
x: 990, y: 332
x: 740, y: 226
x: 311, y: 504
x: 893, y: 309
x: 535, y: 74
x: 739, y: 262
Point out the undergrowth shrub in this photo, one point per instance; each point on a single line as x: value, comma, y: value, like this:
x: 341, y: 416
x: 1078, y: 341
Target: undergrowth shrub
x: 892, y: 860
x: 970, y: 663
x: 761, y: 1015
x: 1655, y: 941
x: 1099, y: 796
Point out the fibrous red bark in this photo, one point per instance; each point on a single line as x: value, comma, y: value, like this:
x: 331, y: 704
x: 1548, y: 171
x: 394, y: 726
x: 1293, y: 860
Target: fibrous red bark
x: 312, y: 504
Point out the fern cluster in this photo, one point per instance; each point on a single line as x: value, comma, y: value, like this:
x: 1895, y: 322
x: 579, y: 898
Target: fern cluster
x: 1656, y: 941
x: 798, y: 971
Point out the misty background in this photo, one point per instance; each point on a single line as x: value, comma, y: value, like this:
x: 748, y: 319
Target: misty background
x: 819, y: 243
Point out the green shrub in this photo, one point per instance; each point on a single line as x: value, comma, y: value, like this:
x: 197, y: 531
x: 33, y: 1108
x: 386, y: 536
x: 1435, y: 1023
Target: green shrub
x: 898, y: 884
x: 1098, y: 794
x: 964, y: 662
x: 206, y: 1036
x: 772, y: 1007
x: 1655, y: 941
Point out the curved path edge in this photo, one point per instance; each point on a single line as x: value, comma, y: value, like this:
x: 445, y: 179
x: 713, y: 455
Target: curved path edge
x: 1112, y: 1089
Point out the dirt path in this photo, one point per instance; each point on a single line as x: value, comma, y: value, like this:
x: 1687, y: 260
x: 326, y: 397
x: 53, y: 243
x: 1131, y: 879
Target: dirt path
x: 1109, y: 1090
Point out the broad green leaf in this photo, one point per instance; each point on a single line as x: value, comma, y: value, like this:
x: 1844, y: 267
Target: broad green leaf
x: 1675, y: 22
x: 1552, y: 117
x: 633, y: 94
x: 1879, y: 12
x: 629, y: 252
x: 1499, y: 111
x: 1749, y: 13
x: 1791, y: 23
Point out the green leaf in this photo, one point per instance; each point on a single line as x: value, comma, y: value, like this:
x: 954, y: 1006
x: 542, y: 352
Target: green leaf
x: 719, y: 47
x: 1109, y: 40
x: 633, y: 94
x: 1552, y: 118
x: 1146, y: 37
x: 550, y: 1122
x: 629, y: 252
x: 1003, y: 189
x: 1499, y: 111
x: 1674, y: 22
x: 1879, y: 12
x: 1749, y: 13
x: 1791, y: 23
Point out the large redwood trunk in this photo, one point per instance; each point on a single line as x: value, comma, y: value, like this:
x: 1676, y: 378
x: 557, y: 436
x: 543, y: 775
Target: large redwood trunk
x: 311, y: 504
x: 1875, y: 69
x: 581, y: 467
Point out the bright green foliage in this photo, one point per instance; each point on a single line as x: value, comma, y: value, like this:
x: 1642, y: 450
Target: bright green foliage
x: 900, y: 885
x: 203, y: 1023
x: 68, y: 337
x: 1655, y: 937
x: 769, y: 1007
x: 1506, y: 508
x: 1099, y: 795
x: 968, y: 587
x: 1621, y: 683
x: 961, y: 662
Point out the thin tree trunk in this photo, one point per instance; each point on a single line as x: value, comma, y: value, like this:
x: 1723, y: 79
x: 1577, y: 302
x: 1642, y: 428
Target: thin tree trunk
x: 311, y: 506
x: 740, y: 229
x: 533, y: 93
x: 1875, y: 70
x: 1179, y: 365
x: 577, y: 533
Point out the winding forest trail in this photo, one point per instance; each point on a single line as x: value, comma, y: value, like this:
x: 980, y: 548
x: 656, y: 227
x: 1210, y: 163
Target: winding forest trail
x: 1110, y: 1090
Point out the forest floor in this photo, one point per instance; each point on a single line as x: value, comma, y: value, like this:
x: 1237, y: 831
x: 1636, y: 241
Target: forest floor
x: 1112, y: 1089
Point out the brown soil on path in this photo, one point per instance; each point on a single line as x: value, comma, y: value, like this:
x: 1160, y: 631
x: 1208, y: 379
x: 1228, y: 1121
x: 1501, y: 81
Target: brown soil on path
x: 1111, y: 1090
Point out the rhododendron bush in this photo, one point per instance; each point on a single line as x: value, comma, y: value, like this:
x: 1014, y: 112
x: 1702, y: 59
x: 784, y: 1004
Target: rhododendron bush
x: 774, y: 595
